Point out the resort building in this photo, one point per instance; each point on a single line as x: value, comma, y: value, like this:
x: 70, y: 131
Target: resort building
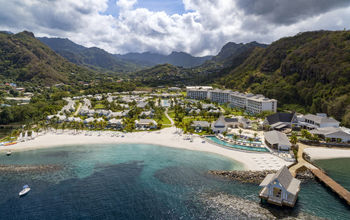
x: 200, y: 125
x: 208, y: 106
x: 141, y: 104
x: 244, y: 122
x: 116, y: 123
x: 219, y: 96
x: 254, y: 104
x: 334, y: 134
x: 147, y: 114
x: 222, y: 124
x: 238, y: 100
x: 89, y: 120
x: 146, y: 124
x: 280, y: 188
x: 319, y: 120
x: 277, y: 140
x: 258, y: 103
x: 281, y: 120
x: 198, y: 92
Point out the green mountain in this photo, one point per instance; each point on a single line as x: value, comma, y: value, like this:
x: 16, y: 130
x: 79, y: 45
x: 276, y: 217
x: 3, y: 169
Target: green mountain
x: 310, y: 70
x: 229, y: 57
x: 23, y: 58
x: 164, y: 74
x: 94, y: 58
x: 180, y: 59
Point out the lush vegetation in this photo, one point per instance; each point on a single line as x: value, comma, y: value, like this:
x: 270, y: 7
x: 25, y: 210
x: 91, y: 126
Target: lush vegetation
x: 40, y: 106
x: 310, y: 70
x: 25, y: 59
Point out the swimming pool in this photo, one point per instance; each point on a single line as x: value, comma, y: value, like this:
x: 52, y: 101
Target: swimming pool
x: 239, y: 147
x: 165, y: 103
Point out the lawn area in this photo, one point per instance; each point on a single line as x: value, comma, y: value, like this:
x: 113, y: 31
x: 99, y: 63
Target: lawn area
x: 198, y: 118
x: 171, y: 114
x: 99, y: 106
x: 164, y: 120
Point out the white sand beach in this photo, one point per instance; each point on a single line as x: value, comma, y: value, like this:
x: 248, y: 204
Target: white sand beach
x: 165, y: 137
x: 319, y: 153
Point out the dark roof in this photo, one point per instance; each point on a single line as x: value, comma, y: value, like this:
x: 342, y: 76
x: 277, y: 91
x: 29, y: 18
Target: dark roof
x: 280, y: 117
x: 231, y: 120
x: 222, y: 121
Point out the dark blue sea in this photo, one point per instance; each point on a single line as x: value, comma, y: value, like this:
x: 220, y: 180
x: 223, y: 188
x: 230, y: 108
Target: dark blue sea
x: 133, y: 181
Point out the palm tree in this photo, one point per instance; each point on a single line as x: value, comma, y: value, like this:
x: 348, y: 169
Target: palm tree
x: 250, y: 140
x: 240, y: 131
x: 293, y: 139
x: 305, y: 134
x: 255, y: 135
x: 64, y: 125
x: 235, y: 137
x: 328, y: 139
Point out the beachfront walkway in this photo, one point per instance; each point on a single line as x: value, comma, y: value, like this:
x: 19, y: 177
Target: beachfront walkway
x: 170, y: 119
x: 301, y: 161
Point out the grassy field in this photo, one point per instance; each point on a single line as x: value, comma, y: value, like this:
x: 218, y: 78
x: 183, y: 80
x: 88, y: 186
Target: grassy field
x: 99, y: 106
x: 164, y: 120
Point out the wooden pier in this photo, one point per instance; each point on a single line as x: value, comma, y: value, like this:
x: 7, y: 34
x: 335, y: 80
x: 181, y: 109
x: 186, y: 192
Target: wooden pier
x: 334, y: 186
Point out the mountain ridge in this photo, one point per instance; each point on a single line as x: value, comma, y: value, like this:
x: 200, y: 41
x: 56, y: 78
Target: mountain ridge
x: 25, y: 59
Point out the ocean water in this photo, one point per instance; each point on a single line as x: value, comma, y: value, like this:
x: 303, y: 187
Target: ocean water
x: 132, y: 181
x: 338, y: 169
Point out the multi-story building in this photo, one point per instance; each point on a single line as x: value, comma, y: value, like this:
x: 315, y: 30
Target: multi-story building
x: 251, y: 103
x: 238, y: 100
x: 198, y: 92
x: 220, y: 96
x: 257, y: 104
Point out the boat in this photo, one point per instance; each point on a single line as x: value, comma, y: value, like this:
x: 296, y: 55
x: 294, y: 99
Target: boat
x: 8, y: 153
x: 24, y: 191
x: 11, y: 143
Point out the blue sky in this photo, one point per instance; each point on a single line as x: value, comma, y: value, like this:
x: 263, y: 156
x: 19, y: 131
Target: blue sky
x: 168, y: 6
x: 200, y: 30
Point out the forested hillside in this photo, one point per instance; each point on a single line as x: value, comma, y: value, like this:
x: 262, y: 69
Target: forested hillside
x: 310, y: 70
x: 23, y: 58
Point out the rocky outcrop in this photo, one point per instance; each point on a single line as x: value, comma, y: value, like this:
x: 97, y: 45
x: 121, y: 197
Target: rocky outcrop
x: 243, y: 176
x: 257, y: 177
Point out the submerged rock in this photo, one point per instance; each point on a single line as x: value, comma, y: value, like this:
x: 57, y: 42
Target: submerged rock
x: 29, y: 168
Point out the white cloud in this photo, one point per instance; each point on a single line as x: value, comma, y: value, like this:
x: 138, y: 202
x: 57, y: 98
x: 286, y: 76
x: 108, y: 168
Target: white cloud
x: 202, y: 29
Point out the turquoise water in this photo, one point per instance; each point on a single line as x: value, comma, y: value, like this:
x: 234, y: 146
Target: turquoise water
x: 240, y: 147
x: 132, y: 181
x: 165, y: 103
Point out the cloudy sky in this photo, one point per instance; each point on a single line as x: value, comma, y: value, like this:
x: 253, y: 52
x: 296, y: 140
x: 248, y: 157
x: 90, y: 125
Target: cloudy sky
x: 199, y: 27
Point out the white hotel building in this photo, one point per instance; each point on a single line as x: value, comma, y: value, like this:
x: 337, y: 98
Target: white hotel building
x: 198, y: 92
x: 251, y: 103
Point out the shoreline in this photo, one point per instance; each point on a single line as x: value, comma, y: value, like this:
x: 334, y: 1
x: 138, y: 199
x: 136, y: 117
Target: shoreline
x: 322, y: 153
x: 165, y: 138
